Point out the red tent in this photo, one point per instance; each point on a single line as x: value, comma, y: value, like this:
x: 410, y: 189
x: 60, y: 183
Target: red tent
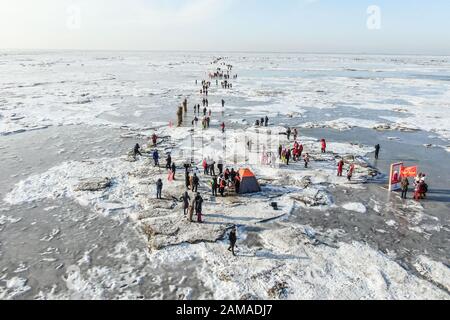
x: 249, y: 184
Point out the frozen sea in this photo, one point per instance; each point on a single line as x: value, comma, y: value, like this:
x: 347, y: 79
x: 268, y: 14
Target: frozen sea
x: 63, y: 110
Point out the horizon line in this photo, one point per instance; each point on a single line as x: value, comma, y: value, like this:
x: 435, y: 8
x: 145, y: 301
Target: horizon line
x: 231, y: 51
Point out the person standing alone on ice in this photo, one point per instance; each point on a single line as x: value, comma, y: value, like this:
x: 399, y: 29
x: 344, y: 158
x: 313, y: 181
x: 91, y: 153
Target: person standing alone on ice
x: 377, y: 151
x: 159, y: 186
x: 233, y: 239
x: 324, y: 146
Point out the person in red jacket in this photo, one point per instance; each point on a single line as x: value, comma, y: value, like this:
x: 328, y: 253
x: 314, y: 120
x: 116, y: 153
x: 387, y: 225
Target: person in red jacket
x: 154, y: 139
x: 350, y: 172
x: 223, y: 127
x: 222, y: 185
x: 324, y: 146
x: 205, y: 167
x: 295, y: 154
x: 340, y: 168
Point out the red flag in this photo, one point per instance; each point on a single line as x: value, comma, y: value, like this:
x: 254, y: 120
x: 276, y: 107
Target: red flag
x: 409, y: 172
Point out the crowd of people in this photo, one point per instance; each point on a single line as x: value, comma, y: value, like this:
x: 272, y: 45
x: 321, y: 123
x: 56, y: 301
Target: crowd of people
x: 220, y: 182
x: 223, y: 181
x: 286, y: 154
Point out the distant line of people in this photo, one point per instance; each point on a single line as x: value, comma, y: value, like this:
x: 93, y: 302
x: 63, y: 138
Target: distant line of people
x: 263, y: 122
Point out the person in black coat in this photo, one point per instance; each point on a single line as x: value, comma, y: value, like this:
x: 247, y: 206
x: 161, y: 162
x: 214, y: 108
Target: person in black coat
x: 174, y: 169
x: 198, y: 203
x: 169, y: 162
x: 377, y: 151
x: 195, y: 182
x: 187, y: 180
x: 288, y: 156
x: 136, y: 150
x: 159, y: 187
x: 233, y: 239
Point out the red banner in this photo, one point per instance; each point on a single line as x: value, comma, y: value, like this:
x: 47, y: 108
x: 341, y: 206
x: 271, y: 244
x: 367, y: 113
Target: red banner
x: 409, y: 172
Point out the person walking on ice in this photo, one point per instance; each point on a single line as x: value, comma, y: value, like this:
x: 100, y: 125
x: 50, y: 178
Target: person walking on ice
x: 233, y: 239
x: 136, y: 150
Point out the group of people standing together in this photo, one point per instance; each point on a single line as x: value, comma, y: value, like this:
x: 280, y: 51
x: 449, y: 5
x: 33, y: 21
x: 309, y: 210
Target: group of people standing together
x: 295, y: 153
x: 263, y: 122
x: 420, y: 187
x: 228, y: 179
x: 191, y: 206
x: 219, y: 183
x: 285, y: 154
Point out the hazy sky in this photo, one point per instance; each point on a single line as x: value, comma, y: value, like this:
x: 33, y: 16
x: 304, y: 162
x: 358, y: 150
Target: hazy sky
x: 399, y: 26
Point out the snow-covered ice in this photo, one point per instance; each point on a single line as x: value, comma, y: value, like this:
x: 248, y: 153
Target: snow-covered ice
x: 279, y: 257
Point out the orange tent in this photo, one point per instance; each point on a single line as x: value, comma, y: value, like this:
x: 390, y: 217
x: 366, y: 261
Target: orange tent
x: 249, y: 184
